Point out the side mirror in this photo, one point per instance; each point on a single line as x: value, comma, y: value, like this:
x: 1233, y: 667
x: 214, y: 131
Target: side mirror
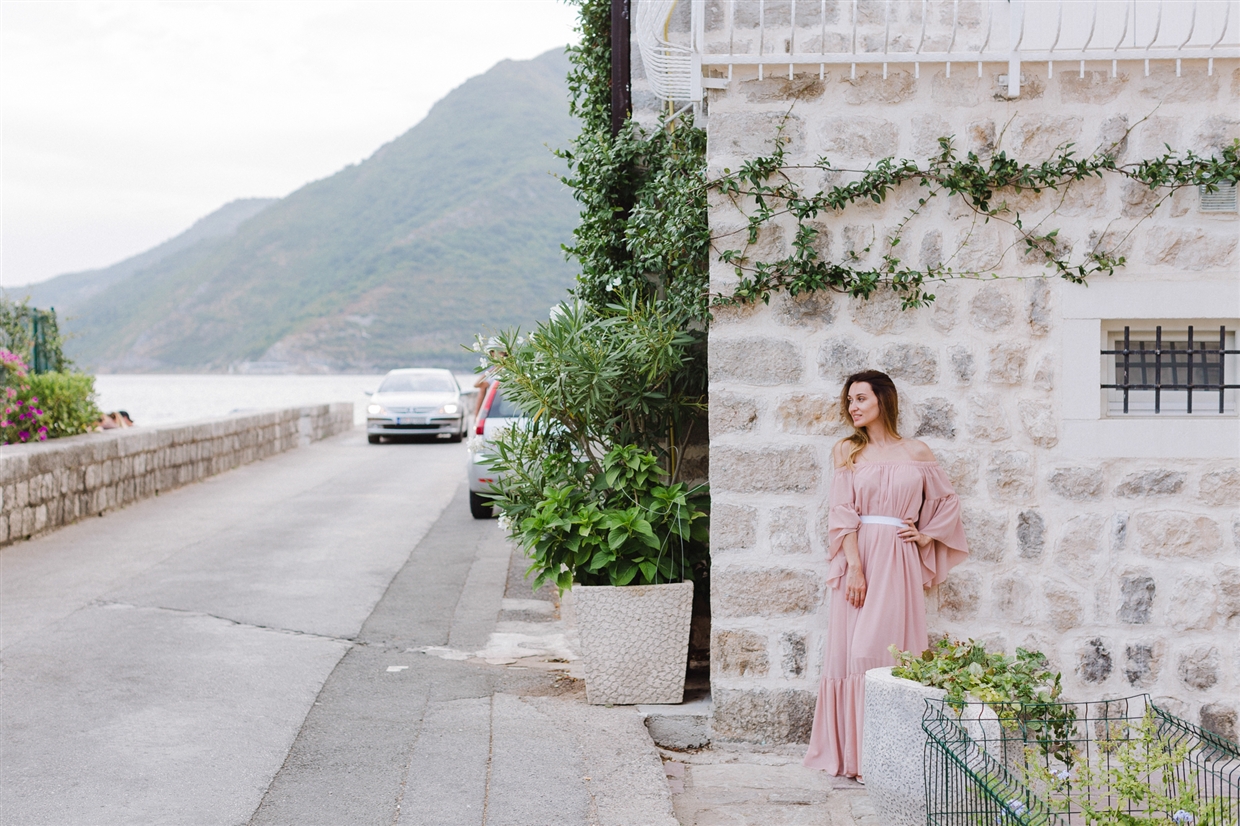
x: 369, y: 392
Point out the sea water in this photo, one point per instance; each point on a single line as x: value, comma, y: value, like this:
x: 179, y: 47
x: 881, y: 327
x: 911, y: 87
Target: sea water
x: 167, y: 399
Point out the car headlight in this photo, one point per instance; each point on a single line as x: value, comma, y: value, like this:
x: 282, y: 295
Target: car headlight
x: 375, y: 409
x: 449, y: 409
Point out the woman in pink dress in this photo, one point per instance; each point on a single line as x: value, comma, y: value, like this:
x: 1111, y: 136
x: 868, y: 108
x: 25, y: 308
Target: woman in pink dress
x: 894, y: 531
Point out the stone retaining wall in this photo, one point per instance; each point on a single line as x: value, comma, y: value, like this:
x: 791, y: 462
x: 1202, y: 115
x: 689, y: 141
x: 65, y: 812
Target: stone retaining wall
x: 49, y: 484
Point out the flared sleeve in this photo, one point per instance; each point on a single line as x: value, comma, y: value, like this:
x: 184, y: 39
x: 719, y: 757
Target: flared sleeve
x: 842, y: 519
x: 940, y: 520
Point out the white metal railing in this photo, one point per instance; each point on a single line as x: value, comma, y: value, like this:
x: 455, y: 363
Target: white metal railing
x: 674, y: 70
x: 786, y: 34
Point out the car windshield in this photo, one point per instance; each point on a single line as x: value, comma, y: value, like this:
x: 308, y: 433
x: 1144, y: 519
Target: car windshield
x: 418, y: 383
x: 501, y: 408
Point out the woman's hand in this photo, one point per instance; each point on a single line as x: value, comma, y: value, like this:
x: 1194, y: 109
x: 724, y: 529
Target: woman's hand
x: 909, y: 533
x: 854, y: 588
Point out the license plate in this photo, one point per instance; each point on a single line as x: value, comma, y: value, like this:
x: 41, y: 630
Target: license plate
x: 410, y: 420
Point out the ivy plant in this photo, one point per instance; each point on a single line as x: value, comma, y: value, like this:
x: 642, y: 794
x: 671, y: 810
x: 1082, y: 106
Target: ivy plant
x: 1021, y: 689
x: 644, y: 228
x: 18, y: 322
x: 767, y: 189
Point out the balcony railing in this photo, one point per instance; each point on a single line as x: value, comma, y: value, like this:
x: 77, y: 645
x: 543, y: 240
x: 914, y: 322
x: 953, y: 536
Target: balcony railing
x: 780, y: 36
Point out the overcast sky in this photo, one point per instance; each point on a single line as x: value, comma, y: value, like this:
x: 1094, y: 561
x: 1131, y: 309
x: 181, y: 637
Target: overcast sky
x: 124, y: 122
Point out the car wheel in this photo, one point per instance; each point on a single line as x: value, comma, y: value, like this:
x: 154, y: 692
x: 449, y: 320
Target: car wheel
x: 373, y: 439
x: 480, y: 507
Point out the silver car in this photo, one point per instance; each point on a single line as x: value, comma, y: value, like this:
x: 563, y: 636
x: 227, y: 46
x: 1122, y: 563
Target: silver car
x: 416, y: 402
x: 495, y: 414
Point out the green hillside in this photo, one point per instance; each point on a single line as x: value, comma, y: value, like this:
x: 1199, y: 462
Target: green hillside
x: 452, y: 228
x: 67, y: 293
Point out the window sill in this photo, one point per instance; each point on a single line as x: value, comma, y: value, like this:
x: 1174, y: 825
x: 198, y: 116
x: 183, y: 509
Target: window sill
x: 1151, y: 437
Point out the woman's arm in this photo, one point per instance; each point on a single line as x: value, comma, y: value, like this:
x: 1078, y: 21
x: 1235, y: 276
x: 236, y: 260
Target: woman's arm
x: 854, y: 583
x: 854, y: 587
x: 919, y: 451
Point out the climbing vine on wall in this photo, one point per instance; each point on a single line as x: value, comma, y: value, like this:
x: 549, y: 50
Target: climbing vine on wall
x: 643, y: 229
x: 766, y: 189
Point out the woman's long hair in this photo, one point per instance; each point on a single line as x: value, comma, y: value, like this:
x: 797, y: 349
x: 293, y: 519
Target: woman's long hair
x: 888, y: 409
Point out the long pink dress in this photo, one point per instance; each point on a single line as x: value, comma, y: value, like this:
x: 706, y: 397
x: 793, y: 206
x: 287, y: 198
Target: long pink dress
x: 896, y: 572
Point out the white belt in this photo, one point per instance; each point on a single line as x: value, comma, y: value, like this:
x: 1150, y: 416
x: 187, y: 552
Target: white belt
x: 882, y: 520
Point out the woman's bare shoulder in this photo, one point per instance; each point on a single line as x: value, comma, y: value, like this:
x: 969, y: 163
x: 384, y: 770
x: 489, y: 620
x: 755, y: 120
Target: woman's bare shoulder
x: 840, y: 453
x: 919, y: 451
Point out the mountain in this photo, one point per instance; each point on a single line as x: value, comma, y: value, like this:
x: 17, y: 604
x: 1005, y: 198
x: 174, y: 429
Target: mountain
x: 70, y: 291
x: 451, y: 229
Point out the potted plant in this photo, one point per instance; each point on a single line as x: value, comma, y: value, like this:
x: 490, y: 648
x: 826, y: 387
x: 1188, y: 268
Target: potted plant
x: 588, y: 485
x: 894, y: 742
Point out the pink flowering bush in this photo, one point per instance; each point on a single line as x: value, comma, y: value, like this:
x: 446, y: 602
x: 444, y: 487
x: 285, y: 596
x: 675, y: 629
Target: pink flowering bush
x: 22, y: 417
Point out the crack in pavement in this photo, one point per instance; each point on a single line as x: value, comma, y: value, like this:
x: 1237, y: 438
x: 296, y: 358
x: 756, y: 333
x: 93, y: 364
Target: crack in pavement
x: 350, y: 641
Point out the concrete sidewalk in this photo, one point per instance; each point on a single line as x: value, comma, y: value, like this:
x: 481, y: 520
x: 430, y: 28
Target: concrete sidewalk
x: 327, y: 637
x: 456, y: 708
x: 720, y: 785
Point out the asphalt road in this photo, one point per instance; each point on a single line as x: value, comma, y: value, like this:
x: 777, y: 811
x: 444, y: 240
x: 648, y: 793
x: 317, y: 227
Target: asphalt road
x: 239, y: 652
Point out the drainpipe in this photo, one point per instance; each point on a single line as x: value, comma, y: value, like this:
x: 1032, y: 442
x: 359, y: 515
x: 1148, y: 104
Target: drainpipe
x: 1016, y: 33
x: 621, y: 83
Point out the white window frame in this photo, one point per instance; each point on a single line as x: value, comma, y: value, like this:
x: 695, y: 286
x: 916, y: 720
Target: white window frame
x: 1088, y: 315
x: 1173, y: 403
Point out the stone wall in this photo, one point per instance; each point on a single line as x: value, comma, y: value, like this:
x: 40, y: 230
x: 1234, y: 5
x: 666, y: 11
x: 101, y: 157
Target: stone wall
x: 1113, y: 546
x: 49, y: 484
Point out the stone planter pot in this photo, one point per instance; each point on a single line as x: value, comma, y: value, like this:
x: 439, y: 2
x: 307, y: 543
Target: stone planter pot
x: 635, y: 641
x: 894, y: 746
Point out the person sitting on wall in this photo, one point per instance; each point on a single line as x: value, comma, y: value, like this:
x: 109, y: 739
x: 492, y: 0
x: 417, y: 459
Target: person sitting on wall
x: 112, y: 421
x: 894, y: 530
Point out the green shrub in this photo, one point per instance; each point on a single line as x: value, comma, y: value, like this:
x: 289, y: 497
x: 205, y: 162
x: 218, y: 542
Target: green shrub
x: 623, y: 526
x: 67, y: 401
x: 589, y: 484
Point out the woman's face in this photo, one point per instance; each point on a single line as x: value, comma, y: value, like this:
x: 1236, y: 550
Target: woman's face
x: 862, y: 404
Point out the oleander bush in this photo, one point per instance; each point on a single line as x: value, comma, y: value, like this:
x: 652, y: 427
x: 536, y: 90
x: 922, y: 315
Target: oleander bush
x: 21, y: 419
x: 589, y: 482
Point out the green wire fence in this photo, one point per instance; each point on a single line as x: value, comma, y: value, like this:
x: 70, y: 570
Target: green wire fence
x: 1125, y: 762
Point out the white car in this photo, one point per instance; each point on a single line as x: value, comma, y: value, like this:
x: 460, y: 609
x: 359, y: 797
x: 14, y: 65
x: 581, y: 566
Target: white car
x: 495, y: 414
x: 417, y: 402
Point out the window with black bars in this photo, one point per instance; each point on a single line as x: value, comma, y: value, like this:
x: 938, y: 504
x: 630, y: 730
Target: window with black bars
x: 1184, y: 363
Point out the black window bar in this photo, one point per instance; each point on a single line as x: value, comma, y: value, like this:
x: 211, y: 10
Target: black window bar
x: 1200, y: 365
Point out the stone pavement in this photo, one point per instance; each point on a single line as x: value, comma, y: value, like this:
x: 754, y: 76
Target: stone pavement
x: 734, y: 786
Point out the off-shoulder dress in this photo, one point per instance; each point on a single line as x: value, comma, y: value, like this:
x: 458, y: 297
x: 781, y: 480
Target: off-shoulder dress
x: 896, y: 572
